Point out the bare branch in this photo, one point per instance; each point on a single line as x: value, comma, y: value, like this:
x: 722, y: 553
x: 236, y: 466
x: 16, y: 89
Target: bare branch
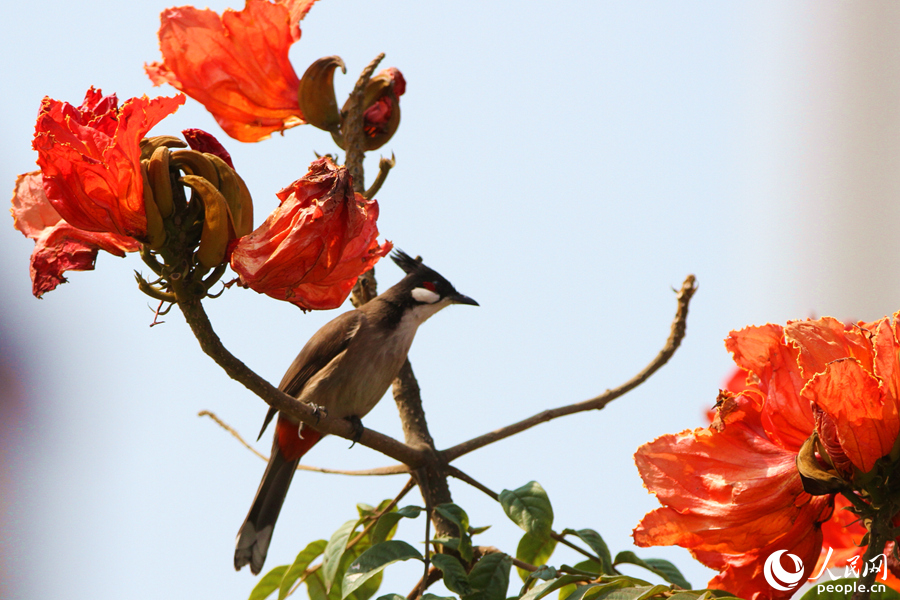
x: 232, y: 431
x: 679, y: 325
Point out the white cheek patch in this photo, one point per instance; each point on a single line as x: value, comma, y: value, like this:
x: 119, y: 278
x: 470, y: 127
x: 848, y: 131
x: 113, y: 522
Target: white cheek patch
x: 426, y: 296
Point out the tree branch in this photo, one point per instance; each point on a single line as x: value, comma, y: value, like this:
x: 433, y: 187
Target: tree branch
x: 352, y: 129
x: 678, y: 329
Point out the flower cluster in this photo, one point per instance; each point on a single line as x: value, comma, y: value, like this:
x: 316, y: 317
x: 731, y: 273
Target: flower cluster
x: 817, y: 416
x: 88, y: 194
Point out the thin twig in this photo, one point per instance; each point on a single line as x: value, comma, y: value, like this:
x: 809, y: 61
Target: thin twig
x: 434, y: 575
x: 374, y: 521
x: 229, y: 429
x: 485, y: 550
x: 390, y: 470
x: 679, y: 325
x: 384, y: 167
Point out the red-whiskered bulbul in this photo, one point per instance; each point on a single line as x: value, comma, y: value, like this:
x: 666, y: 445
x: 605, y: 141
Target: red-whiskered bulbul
x: 344, y: 370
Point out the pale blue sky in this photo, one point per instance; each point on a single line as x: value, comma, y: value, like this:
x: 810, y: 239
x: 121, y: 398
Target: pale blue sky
x: 566, y: 164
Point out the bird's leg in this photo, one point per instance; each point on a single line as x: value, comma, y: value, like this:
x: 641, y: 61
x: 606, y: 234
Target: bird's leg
x: 358, y: 428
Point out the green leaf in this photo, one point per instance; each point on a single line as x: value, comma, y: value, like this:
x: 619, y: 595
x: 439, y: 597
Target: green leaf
x: 455, y: 577
x: 546, y: 573
x: 391, y: 597
x: 387, y: 523
x: 374, y: 560
x: 334, y: 551
x: 644, y: 592
x: 436, y: 597
x: 454, y: 514
x: 847, y: 587
x: 605, y: 589
x: 315, y: 584
x: 458, y: 517
x: 589, y: 569
x: 535, y: 551
x: 477, y: 530
x: 661, y: 567
x: 593, y: 539
x: 269, y: 583
x: 583, y: 591
x: 529, y: 508
x: 541, y: 589
x: 490, y: 577
x: 368, y: 589
x: 303, y: 560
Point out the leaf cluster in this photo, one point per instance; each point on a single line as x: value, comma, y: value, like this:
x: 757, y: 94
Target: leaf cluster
x: 353, y: 561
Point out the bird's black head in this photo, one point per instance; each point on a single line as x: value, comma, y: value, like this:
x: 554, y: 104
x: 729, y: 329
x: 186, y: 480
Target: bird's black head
x: 425, y: 285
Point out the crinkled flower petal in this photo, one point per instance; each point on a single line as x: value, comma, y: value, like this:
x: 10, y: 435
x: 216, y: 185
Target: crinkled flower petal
x: 59, y: 247
x: 90, y: 159
x: 235, y: 65
x: 312, y: 248
x: 866, y: 426
x: 727, y: 494
x: 773, y: 364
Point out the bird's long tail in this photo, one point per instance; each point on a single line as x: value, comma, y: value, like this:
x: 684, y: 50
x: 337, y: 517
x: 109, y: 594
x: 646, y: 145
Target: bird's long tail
x: 256, y: 532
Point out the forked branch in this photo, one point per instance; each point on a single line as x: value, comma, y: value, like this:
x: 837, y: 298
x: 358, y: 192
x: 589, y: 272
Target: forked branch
x: 679, y: 325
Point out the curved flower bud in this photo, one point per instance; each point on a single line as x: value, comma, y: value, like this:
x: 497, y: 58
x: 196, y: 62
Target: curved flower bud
x: 90, y: 159
x: 381, y: 106
x: 235, y: 65
x: 316, y: 95
x: 312, y: 248
x: 58, y: 247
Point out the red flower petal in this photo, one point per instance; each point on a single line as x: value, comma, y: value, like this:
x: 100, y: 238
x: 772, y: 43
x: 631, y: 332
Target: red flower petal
x: 773, y: 364
x: 59, y: 247
x: 824, y: 340
x: 202, y: 141
x: 727, y: 495
x: 313, y: 247
x: 90, y: 159
x: 235, y: 65
x: 866, y: 425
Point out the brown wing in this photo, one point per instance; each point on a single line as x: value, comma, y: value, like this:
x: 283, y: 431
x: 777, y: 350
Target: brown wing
x: 332, y: 339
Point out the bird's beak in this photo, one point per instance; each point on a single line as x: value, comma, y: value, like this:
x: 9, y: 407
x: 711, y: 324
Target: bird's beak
x: 460, y: 299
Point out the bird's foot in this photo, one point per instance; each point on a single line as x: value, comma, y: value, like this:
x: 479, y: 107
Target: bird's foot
x: 318, y: 411
x: 358, y: 428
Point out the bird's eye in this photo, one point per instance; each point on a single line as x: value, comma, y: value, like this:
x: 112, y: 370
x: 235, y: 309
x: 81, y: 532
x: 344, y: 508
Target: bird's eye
x: 429, y: 285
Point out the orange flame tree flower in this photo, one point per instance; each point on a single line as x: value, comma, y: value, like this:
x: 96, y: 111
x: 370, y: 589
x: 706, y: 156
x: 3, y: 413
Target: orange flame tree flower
x: 235, y: 65
x: 58, y: 247
x: 313, y: 247
x: 90, y: 159
x: 732, y: 493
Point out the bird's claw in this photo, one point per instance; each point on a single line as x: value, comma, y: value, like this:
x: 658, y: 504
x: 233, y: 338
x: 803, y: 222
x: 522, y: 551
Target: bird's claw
x: 358, y: 429
x: 319, y: 412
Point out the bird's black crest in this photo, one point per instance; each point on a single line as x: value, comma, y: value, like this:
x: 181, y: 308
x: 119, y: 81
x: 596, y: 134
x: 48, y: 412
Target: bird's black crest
x: 405, y: 261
